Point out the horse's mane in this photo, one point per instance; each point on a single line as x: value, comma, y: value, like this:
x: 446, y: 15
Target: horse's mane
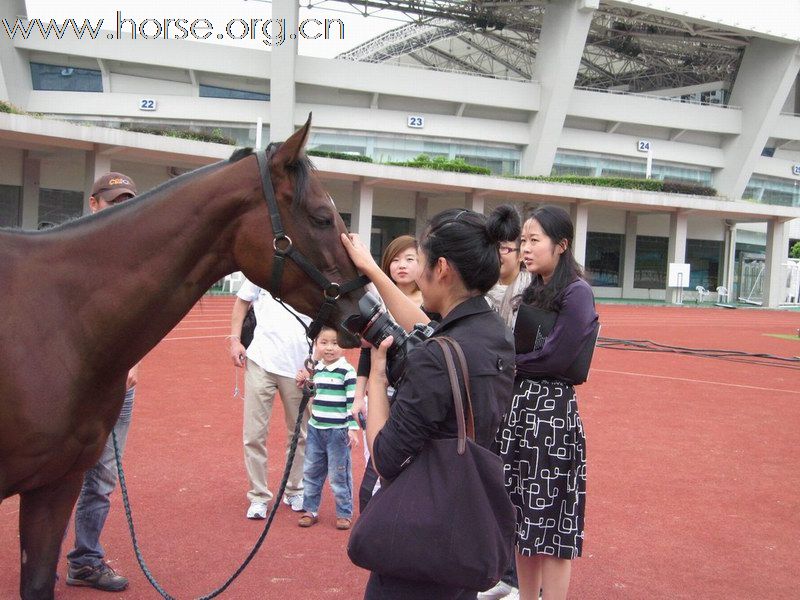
x: 166, y: 186
x: 301, y: 170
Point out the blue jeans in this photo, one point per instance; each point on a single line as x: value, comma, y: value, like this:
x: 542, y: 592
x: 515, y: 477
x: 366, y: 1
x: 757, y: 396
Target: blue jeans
x: 327, y: 454
x: 93, y: 503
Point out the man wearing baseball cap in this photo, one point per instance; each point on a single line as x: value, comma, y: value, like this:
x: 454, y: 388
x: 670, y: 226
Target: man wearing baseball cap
x: 111, y: 189
x: 87, y: 566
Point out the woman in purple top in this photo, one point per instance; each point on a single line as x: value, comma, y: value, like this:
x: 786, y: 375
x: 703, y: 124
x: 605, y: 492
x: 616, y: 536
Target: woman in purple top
x: 541, y: 439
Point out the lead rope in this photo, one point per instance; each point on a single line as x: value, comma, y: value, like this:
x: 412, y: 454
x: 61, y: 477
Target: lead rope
x: 308, y: 392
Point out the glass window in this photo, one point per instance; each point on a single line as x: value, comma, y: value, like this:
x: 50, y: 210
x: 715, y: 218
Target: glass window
x: 595, y: 166
x: 210, y: 91
x: 385, y: 149
x: 496, y: 165
x: 769, y: 190
x: 65, y: 79
x: 384, y: 230
x: 10, y: 206
x: 603, y: 258
x: 705, y: 257
x: 631, y: 173
x: 650, y: 270
x: 572, y: 170
x: 58, y: 206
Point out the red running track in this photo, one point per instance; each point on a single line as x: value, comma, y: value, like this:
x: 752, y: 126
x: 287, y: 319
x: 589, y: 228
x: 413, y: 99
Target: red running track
x: 693, y: 472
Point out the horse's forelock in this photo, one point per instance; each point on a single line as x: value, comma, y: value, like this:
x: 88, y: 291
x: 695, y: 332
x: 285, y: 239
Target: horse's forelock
x: 300, y: 170
x: 239, y: 154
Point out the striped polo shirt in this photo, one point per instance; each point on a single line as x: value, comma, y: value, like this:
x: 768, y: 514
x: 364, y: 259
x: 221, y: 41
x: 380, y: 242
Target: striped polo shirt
x: 336, y: 388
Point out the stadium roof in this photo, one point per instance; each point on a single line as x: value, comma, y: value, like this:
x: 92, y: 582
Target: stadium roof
x: 627, y: 48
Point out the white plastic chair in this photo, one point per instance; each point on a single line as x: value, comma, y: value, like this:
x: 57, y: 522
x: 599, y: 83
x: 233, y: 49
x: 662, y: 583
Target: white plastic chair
x: 722, y: 294
x: 701, y: 293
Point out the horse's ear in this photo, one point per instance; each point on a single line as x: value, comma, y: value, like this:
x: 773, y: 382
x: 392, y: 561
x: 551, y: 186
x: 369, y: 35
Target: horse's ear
x: 292, y: 148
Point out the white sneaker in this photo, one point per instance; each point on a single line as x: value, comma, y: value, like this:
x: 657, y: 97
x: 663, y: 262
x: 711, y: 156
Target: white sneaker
x: 501, y: 590
x: 295, y: 502
x: 257, y: 510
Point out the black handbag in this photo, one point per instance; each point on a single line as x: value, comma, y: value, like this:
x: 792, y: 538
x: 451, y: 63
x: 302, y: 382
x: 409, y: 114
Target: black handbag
x: 531, y: 329
x: 446, y: 518
x: 248, y: 327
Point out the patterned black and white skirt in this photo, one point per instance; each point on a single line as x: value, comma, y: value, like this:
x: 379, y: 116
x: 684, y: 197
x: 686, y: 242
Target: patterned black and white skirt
x: 544, y: 459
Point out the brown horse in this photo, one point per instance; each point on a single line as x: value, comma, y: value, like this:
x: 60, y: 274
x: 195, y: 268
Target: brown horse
x: 86, y: 301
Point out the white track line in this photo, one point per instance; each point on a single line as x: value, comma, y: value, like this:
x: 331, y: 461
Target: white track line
x: 193, y: 337
x: 750, y: 387
x: 202, y: 328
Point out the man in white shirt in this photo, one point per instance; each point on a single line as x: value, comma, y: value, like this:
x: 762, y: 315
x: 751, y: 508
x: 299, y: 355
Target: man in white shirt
x: 277, y: 351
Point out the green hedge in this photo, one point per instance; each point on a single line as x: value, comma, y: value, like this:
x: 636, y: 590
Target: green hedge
x: 339, y: 155
x: 215, y: 136
x: 694, y: 189
x: 5, y: 107
x: 440, y: 163
x: 649, y: 185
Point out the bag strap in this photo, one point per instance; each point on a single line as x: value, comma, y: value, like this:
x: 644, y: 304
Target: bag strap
x: 465, y: 372
x: 464, y: 428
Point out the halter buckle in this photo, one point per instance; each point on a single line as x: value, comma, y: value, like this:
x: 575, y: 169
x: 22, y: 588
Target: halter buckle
x: 332, y: 292
x: 282, y: 238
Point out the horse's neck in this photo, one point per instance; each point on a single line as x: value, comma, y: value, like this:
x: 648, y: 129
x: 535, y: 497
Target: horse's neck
x: 143, y: 267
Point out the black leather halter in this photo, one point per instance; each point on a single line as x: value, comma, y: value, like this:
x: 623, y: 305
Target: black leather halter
x: 284, y: 248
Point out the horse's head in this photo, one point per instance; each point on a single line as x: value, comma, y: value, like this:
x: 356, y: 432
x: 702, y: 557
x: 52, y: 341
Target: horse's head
x: 312, y: 226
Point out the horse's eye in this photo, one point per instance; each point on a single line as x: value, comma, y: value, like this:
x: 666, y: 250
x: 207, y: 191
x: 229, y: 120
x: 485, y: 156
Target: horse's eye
x: 321, y: 221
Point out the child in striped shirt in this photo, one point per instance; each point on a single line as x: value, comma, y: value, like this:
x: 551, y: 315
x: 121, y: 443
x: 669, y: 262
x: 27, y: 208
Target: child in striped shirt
x: 332, y: 431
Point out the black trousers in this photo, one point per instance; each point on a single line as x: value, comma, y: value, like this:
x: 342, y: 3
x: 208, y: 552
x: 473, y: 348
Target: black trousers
x: 381, y: 587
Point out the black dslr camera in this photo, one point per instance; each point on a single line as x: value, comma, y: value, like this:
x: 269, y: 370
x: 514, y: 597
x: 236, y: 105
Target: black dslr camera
x: 375, y: 324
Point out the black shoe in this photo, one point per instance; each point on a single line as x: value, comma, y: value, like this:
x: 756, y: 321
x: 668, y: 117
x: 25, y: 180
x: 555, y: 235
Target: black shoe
x: 99, y: 577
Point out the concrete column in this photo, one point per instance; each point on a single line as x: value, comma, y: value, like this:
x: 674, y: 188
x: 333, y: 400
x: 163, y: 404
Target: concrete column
x: 283, y: 58
x: 31, y: 172
x: 420, y: 214
x: 762, y: 84
x: 676, y: 253
x: 96, y: 164
x: 15, y: 73
x: 558, y: 57
x: 475, y: 201
x: 774, y: 283
x: 629, y: 259
x: 579, y: 211
x: 729, y: 260
x: 361, y: 221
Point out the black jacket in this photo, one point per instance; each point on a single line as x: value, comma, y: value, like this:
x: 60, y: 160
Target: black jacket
x: 423, y: 405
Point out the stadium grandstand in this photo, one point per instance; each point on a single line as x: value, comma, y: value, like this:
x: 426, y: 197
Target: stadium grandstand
x: 672, y: 136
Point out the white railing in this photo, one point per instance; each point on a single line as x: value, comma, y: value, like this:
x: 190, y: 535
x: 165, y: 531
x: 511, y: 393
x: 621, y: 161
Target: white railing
x: 677, y: 99
x: 448, y: 70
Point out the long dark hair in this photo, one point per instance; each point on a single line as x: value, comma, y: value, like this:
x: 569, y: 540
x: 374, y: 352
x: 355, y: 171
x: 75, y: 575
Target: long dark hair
x: 469, y: 241
x: 557, y: 225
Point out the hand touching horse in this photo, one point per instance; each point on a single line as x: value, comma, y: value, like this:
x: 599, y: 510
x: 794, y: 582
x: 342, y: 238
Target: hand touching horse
x: 86, y: 301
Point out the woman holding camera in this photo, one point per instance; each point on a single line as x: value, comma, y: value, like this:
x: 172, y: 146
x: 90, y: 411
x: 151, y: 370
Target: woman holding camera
x: 401, y: 263
x: 459, y: 259
x: 541, y: 440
